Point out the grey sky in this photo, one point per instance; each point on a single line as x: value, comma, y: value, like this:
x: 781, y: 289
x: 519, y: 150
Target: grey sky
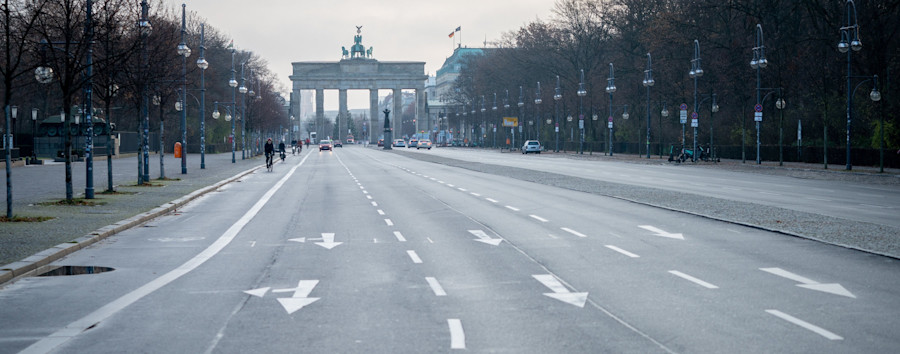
x: 285, y: 31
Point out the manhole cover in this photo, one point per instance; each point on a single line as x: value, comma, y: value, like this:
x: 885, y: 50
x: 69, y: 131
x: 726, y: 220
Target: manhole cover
x: 75, y: 270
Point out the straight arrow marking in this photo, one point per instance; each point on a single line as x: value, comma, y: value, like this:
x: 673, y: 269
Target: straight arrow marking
x: 328, y: 241
x: 661, y: 233
x: 483, y: 237
x: 560, y: 292
x: 785, y: 274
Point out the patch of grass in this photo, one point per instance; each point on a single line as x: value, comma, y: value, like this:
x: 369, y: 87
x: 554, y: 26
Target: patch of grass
x: 168, y: 179
x: 25, y: 218
x: 75, y: 201
x: 146, y: 184
x: 117, y: 193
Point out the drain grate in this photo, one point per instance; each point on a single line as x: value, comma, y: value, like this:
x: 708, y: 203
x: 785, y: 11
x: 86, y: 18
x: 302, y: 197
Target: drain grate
x: 75, y: 270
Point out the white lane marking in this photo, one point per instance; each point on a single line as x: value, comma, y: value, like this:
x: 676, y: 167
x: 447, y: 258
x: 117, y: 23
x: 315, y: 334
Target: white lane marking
x: 694, y: 280
x: 374, y: 204
x: 252, y: 244
x: 328, y: 241
x: 361, y: 187
x: 80, y: 325
x: 457, y: 335
x: 365, y: 192
x: 491, y: 200
x: 388, y: 222
x: 785, y: 274
x: 661, y: 233
x: 429, y: 240
x: 552, y: 236
x: 368, y: 197
x: 629, y: 254
x: 450, y: 185
x: 435, y: 286
x: 734, y: 231
x: 441, y: 182
x: 616, y: 235
x: 399, y: 236
x: 512, y: 208
x: 809, y: 326
x: 538, y: 218
x: 475, y: 194
x: 415, y: 257
x: 432, y: 178
x: 380, y: 212
x: 483, y: 237
x: 573, y: 232
x: 463, y: 190
x: 768, y: 193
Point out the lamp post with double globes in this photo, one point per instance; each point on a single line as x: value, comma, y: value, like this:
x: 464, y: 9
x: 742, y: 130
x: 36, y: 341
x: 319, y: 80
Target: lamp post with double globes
x: 203, y: 65
x: 521, y: 120
x: 233, y: 83
x: 184, y: 51
x: 145, y: 28
x: 610, y: 89
x: 581, y: 93
x: 849, y: 40
x: 648, y: 82
x: 556, y: 97
x: 759, y: 62
x: 537, y: 108
x: 695, y: 73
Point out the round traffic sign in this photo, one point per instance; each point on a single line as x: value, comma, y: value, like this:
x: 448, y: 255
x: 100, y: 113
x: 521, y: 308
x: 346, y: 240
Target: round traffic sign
x: 610, y: 118
x: 694, y: 115
x: 757, y: 107
x: 683, y: 106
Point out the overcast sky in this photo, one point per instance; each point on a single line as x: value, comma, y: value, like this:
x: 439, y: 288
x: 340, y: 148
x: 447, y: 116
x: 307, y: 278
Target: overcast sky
x: 286, y: 31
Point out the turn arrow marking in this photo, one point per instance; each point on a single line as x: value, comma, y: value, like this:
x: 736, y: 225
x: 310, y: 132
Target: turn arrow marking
x: 300, y: 298
x: 258, y: 292
x: 559, y: 290
x: 832, y: 288
x: 483, y: 237
x: 661, y: 233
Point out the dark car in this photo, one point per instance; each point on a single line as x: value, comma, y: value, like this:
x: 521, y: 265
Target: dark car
x: 337, y: 144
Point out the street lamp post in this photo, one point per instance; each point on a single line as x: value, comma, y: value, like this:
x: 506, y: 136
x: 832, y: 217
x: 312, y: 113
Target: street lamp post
x: 145, y: 29
x: 648, y: 82
x: 88, y: 103
x: 233, y: 83
x: 243, y: 90
x: 521, y: 105
x: 664, y: 113
x: 494, y: 125
x: 759, y: 62
x: 203, y: 65
x: 849, y: 40
x: 184, y: 51
x: 483, y: 122
x: 610, y: 88
x: 388, y: 136
x: 556, y: 97
x: 537, y: 108
x: 581, y: 93
x: 34, y: 116
x: 712, y: 111
x: 780, y: 104
x: 695, y: 73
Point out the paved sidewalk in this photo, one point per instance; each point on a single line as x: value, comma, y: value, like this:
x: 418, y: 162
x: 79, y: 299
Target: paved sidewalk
x: 26, y: 245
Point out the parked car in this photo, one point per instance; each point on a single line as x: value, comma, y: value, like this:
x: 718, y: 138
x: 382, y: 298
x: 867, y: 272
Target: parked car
x: 399, y: 143
x: 325, y: 145
x: 531, y: 146
x: 337, y: 144
x: 412, y: 143
x: 424, y: 144
x: 380, y: 142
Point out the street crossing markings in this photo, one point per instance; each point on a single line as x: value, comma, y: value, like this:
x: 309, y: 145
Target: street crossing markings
x: 435, y: 286
x: 629, y: 254
x: 414, y: 257
x: 457, y: 335
x: 573, y: 232
x: 693, y: 280
x: 809, y: 326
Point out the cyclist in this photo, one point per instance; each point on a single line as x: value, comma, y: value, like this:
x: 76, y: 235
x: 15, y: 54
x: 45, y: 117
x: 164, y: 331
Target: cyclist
x: 294, y: 147
x: 281, y: 149
x: 270, y: 151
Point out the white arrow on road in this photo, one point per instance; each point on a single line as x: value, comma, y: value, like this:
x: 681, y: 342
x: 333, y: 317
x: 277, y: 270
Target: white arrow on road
x: 559, y: 291
x: 833, y: 288
x: 300, y: 297
x: 328, y: 241
x: 300, y: 239
x: 661, y: 233
x: 258, y: 292
x: 483, y: 237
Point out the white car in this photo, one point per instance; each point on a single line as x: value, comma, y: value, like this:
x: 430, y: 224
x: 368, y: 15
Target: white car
x: 531, y: 146
x: 399, y: 143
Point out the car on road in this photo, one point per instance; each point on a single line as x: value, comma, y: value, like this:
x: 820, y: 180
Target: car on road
x: 337, y: 144
x: 531, y: 146
x: 412, y: 143
x: 380, y: 142
x: 399, y: 143
x: 350, y: 141
x: 424, y: 144
x: 325, y: 145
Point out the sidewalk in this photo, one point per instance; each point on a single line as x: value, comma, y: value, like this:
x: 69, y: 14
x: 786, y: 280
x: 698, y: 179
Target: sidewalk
x: 27, y: 245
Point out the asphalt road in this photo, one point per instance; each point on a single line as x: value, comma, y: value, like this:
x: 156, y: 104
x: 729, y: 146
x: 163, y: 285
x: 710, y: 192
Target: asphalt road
x: 360, y: 250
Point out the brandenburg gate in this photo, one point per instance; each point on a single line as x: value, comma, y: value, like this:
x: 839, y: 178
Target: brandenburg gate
x: 357, y: 70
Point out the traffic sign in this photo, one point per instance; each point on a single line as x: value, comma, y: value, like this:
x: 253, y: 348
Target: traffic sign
x: 610, y: 124
x: 694, y: 115
x: 757, y: 116
x: 757, y: 107
x: 694, y: 123
x: 610, y: 119
x: 683, y: 106
x: 683, y: 116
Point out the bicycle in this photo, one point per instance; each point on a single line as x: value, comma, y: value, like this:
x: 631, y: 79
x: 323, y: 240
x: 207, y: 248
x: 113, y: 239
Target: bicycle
x: 269, y: 162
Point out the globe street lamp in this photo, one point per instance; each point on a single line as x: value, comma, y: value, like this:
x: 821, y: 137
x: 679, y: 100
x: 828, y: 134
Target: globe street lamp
x: 537, y: 108
x: 695, y: 73
x: 203, y: 65
x: 556, y: 97
x: 664, y: 113
x: 610, y: 88
x: 581, y: 93
x: 780, y: 104
x: 233, y: 83
x: 184, y: 51
x: 521, y: 105
x: 483, y: 122
x: 648, y: 82
x: 759, y: 62
x: 849, y: 40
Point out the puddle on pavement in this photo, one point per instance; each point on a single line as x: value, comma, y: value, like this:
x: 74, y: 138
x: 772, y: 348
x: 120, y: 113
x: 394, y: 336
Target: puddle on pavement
x: 75, y: 270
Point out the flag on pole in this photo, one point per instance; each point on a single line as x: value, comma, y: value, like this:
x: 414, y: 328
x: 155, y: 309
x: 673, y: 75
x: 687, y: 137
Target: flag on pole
x: 230, y: 45
x: 458, y: 28
x: 451, y: 34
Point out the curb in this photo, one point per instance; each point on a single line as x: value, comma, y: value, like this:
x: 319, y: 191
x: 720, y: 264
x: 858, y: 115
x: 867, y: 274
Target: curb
x: 16, y: 269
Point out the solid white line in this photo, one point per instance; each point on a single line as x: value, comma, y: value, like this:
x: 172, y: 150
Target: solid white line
x: 415, y: 257
x: 573, y: 232
x: 79, y: 326
x: 388, y: 222
x: 491, y: 200
x: 694, y: 280
x: 512, y: 208
x: 538, y: 218
x: 435, y: 286
x: 629, y: 254
x: 399, y: 236
x: 818, y: 330
x: 457, y: 335
x: 380, y: 212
